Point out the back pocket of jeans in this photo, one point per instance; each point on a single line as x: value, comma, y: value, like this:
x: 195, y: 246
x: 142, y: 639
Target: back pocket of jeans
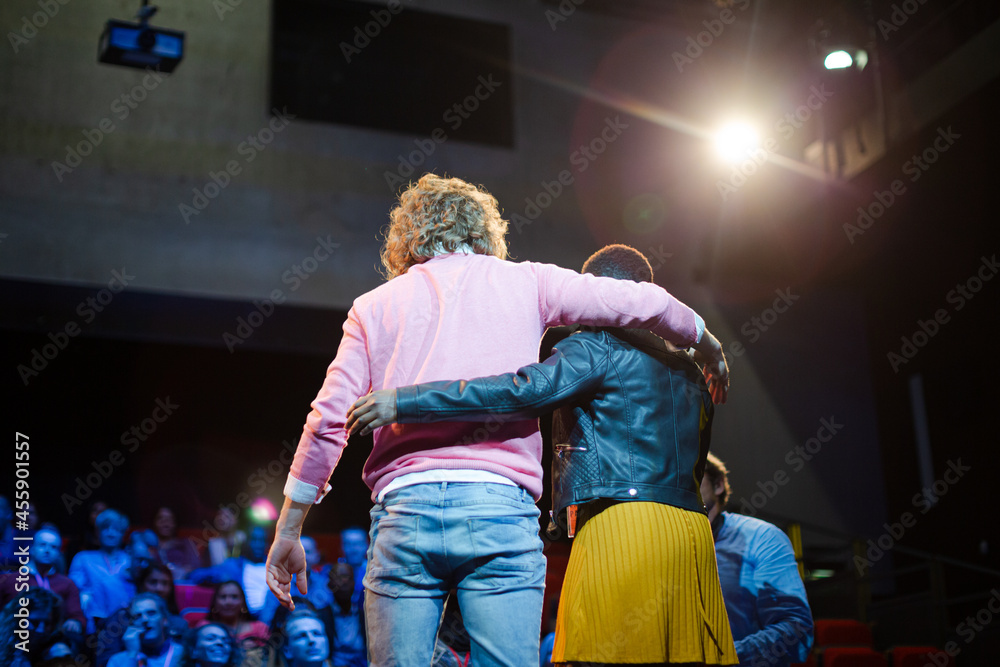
x: 395, y: 563
x: 506, y: 544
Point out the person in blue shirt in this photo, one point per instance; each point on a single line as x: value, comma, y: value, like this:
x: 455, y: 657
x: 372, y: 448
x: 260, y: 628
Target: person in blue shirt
x: 765, y: 598
x: 147, y: 643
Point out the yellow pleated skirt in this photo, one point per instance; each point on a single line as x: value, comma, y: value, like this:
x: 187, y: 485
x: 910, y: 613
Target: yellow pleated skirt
x: 642, y: 586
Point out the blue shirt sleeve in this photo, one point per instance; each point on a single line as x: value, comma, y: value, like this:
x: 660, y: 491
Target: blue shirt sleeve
x: 782, y: 609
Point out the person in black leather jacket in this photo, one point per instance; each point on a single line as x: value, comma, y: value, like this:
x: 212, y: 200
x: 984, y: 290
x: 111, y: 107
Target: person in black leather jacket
x: 634, y: 426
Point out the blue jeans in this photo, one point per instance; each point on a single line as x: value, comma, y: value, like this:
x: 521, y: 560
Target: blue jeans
x: 479, y: 538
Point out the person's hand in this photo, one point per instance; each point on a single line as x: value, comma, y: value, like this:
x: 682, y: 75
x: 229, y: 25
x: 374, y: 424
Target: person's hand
x: 708, y: 351
x: 285, y: 559
x: 132, y: 639
x: 372, y: 411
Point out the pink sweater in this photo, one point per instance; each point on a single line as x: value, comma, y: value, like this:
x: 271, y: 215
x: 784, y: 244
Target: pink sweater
x: 459, y: 317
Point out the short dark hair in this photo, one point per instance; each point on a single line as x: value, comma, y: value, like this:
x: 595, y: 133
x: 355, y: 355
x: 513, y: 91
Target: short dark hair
x: 619, y: 261
x: 161, y: 605
x: 716, y: 472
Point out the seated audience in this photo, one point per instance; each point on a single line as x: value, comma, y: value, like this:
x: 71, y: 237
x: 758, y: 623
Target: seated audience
x: 22, y: 645
x: 156, y: 578
x: 87, y: 540
x: 229, y: 609
x: 177, y: 553
x: 230, y: 541
x: 246, y: 569
x: 354, y: 546
x: 211, y: 645
x: 344, y: 621
x: 44, y: 573
x: 147, y: 643
x: 306, y: 644
x: 102, y: 575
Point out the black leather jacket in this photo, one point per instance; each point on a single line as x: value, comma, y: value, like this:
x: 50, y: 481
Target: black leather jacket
x: 635, y: 420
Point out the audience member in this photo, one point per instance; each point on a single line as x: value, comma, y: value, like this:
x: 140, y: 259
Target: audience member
x: 146, y: 641
x: 177, y: 553
x: 765, y: 598
x: 229, y: 608
x: 306, y: 643
x: 23, y: 645
x: 155, y: 578
x: 354, y: 546
x: 44, y: 556
x: 87, y: 540
x: 102, y: 574
x: 211, y: 645
x: 230, y: 541
x: 58, y: 652
x: 247, y: 569
x: 141, y: 549
x: 344, y: 621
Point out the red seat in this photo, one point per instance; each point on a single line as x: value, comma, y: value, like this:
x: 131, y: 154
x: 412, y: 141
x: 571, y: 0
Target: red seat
x: 193, y: 617
x: 842, y: 632
x: 810, y: 662
x: 853, y: 656
x: 920, y: 656
x: 192, y: 597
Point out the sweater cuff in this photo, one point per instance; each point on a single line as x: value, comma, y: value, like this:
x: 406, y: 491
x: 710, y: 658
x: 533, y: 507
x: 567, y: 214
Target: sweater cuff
x: 303, y: 492
x: 699, y: 327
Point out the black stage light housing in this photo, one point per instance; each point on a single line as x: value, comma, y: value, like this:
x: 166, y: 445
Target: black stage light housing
x: 140, y: 45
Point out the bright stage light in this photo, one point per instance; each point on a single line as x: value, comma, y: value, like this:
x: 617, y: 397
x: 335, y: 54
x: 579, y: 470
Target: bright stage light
x: 736, y: 141
x: 838, y: 60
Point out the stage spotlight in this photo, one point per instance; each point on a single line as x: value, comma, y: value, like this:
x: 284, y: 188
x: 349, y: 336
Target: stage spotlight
x: 842, y: 59
x: 838, y: 60
x: 736, y: 141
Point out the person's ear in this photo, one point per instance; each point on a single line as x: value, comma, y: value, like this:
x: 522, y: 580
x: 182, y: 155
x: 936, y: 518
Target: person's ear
x: 719, y: 488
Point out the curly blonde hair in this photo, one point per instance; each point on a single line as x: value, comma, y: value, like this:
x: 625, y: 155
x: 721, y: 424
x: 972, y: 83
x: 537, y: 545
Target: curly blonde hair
x: 437, y: 215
